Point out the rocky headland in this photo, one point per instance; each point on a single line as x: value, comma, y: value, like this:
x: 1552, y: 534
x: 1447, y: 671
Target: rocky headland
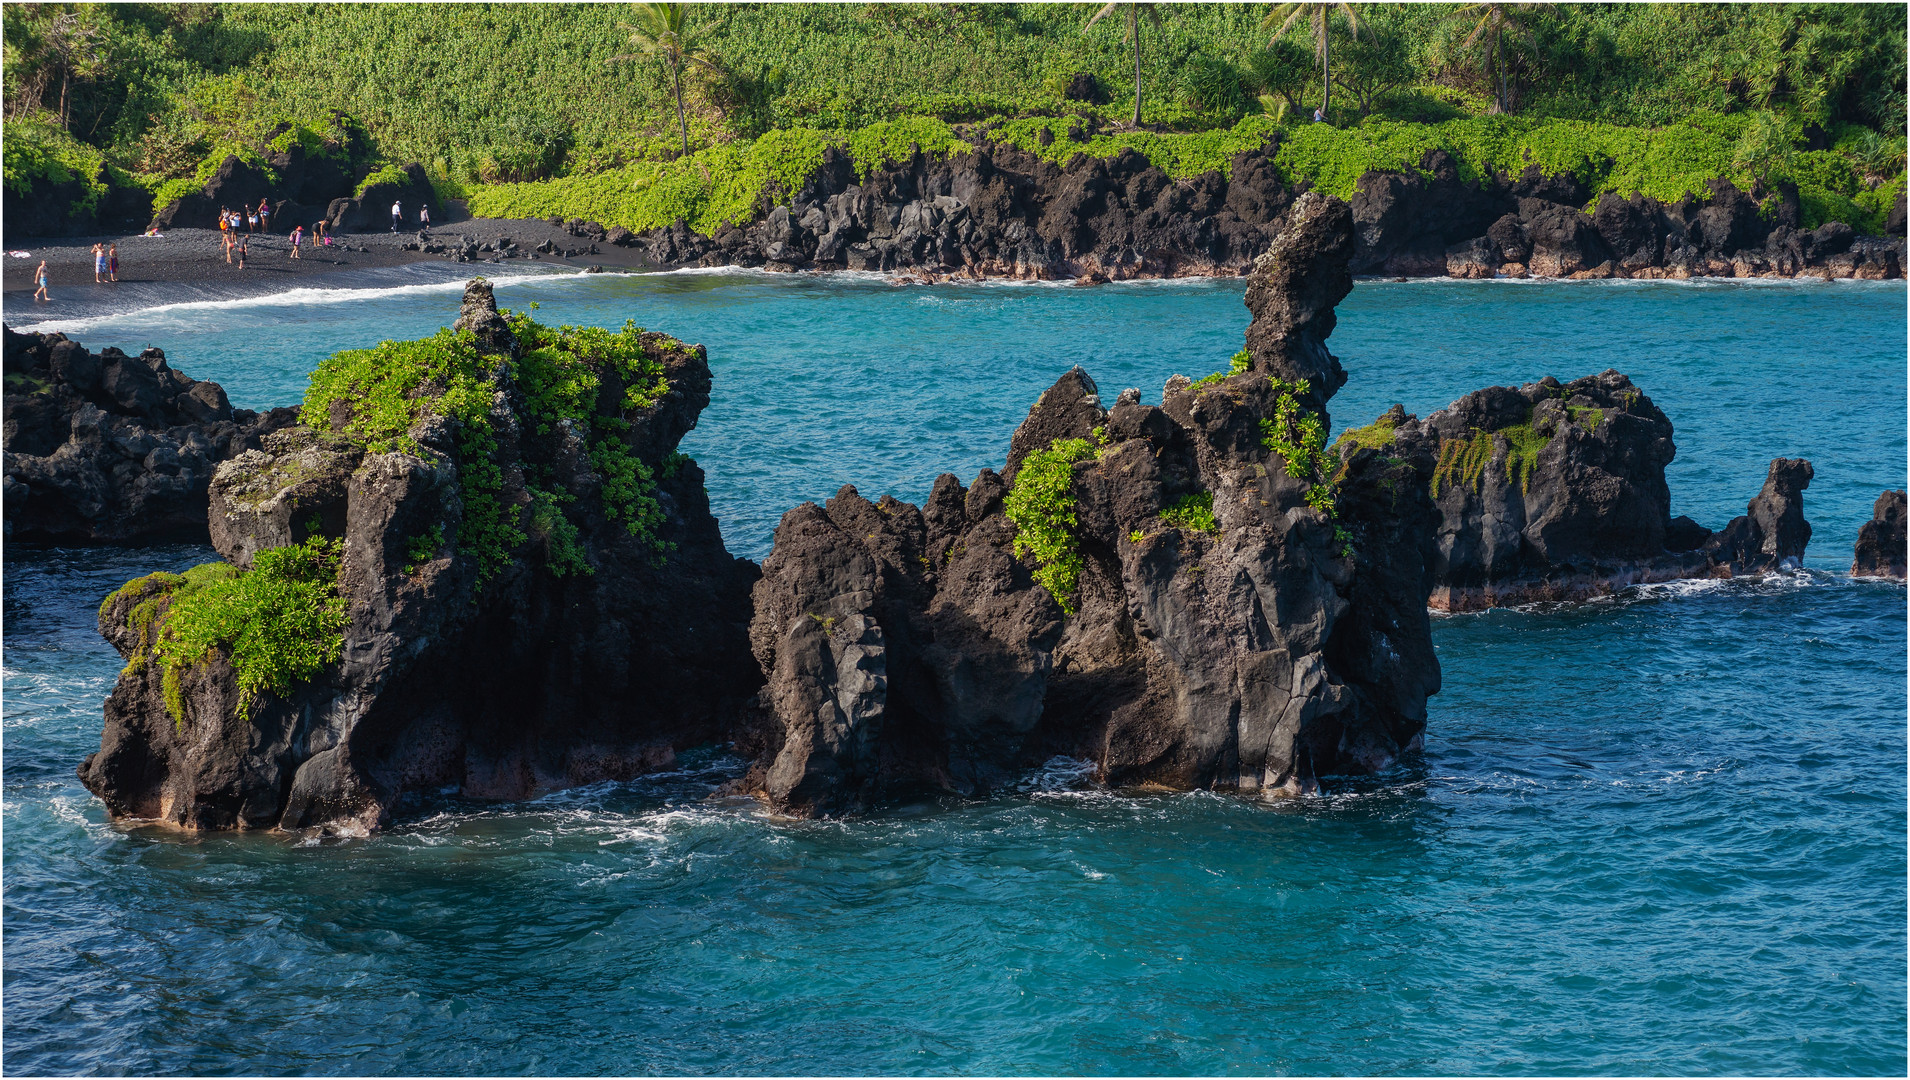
x: 999, y: 211
x: 1882, y: 546
x: 106, y: 448
x: 1166, y: 591
x: 1556, y: 491
x: 477, y: 562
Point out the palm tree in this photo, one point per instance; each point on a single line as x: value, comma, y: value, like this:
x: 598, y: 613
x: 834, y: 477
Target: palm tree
x: 659, y: 32
x: 1316, y: 16
x: 1493, y: 21
x: 1134, y: 35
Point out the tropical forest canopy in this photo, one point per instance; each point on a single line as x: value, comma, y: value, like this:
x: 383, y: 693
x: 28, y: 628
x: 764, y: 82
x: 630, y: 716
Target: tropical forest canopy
x: 509, y: 94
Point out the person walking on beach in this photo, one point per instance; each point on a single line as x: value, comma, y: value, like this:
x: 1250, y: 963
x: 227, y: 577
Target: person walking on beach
x: 99, y: 264
x: 227, y: 238
x: 243, y: 240
x: 298, y: 234
x: 397, y: 216
x: 424, y: 219
x: 265, y: 216
x: 225, y: 219
x: 112, y: 263
x: 39, y: 278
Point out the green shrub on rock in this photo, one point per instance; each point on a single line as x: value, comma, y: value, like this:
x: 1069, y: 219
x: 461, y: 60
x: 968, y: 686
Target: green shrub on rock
x: 280, y: 623
x: 1041, y: 506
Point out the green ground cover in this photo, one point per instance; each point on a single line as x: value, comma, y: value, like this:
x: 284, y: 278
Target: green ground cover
x: 1655, y: 98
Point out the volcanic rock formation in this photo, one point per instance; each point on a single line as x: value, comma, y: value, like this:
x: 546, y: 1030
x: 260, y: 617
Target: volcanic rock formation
x: 1556, y: 491
x: 105, y: 448
x: 533, y: 601
x: 1881, y: 543
x: 1144, y: 587
x: 1001, y: 211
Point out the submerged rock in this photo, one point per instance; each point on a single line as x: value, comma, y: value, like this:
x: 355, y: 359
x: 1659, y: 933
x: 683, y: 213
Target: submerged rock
x: 1881, y: 544
x: 482, y: 567
x: 1145, y: 587
x: 1556, y: 491
x: 106, y: 448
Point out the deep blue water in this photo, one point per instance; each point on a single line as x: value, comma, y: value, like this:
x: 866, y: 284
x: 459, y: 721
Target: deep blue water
x: 1659, y: 834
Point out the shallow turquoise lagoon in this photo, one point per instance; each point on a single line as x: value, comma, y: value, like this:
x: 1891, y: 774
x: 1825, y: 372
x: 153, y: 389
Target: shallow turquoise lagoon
x: 1659, y: 834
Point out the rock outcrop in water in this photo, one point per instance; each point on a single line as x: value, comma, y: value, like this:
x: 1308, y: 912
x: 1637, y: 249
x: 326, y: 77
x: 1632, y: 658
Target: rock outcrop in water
x: 1144, y: 587
x: 519, y: 587
x: 1001, y: 211
x: 1882, y: 546
x: 1556, y: 491
x: 106, y: 448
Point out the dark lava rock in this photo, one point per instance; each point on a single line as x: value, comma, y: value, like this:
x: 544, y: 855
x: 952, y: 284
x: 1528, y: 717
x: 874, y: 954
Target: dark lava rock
x: 1881, y: 545
x: 1085, y: 87
x: 999, y: 211
x: 1556, y: 491
x: 371, y: 211
x: 539, y: 678
x: 108, y: 448
x: 913, y: 645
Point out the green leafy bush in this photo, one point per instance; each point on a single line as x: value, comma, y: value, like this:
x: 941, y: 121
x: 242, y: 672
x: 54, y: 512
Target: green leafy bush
x: 384, y: 174
x: 721, y: 185
x: 1194, y: 513
x: 38, y: 152
x: 1299, y: 437
x: 281, y: 622
x: 1041, y: 508
x: 561, y: 372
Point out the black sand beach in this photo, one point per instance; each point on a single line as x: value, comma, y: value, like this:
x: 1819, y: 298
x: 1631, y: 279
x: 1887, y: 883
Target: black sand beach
x: 197, y: 256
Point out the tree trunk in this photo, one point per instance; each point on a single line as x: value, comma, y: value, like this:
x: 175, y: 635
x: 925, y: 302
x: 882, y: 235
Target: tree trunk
x: 1498, y: 64
x: 676, y: 77
x: 1326, y: 71
x: 1134, y: 27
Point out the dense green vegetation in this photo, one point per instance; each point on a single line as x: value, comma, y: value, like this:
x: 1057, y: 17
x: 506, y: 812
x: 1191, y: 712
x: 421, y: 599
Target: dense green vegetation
x: 1041, y: 508
x: 1648, y: 97
x: 280, y: 623
x: 561, y: 372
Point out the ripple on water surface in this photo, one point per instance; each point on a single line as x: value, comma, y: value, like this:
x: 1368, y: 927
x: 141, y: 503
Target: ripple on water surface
x: 1659, y: 834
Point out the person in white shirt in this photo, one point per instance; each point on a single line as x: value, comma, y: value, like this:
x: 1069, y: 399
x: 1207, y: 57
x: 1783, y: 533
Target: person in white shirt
x: 397, y: 216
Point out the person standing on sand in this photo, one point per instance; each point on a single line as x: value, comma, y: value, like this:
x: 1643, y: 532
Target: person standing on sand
x: 252, y: 222
x: 243, y: 240
x: 424, y: 219
x: 265, y: 216
x: 39, y: 278
x: 227, y: 238
x: 112, y: 263
x: 397, y: 216
x: 224, y: 220
x: 298, y: 234
x: 99, y: 264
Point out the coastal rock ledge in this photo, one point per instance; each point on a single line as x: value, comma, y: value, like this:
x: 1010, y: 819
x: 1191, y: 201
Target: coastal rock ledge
x: 1166, y: 591
x: 106, y: 448
x: 1556, y: 492
x: 478, y: 563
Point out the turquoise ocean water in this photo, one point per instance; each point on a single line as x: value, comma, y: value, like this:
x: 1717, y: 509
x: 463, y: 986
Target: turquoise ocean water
x: 1659, y: 834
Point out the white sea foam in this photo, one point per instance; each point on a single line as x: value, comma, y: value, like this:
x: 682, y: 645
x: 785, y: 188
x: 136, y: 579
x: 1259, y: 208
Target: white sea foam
x: 304, y: 296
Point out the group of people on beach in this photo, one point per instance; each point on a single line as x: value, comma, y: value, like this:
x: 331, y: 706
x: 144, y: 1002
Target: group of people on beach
x: 258, y: 219
x: 235, y: 231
